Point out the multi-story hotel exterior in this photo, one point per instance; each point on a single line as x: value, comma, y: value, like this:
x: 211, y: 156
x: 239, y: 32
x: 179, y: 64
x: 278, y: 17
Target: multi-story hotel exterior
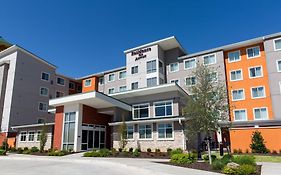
x: 150, y: 91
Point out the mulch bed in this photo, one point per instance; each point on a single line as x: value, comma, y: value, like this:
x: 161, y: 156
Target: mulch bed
x: 205, y: 167
x: 151, y: 155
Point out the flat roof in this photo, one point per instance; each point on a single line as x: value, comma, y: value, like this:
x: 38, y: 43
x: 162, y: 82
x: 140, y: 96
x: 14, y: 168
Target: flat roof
x: 102, y: 73
x: 165, y: 44
x: 32, y: 125
x: 150, y: 120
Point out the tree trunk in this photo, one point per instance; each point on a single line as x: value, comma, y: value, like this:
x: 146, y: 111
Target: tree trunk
x: 209, y: 151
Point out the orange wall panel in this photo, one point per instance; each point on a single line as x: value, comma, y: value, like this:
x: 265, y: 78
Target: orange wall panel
x: 58, y: 127
x: 92, y: 87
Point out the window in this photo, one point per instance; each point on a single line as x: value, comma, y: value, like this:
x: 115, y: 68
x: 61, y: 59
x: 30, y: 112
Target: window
x: 45, y: 76
x: 151, y: 66
x: 175, y: 81
x: 111, y: 91
x: 234, y: 56
x: 277, y: 44
x: 79, y: 88
x: 213, y: 76
x: 236, y: 75
x: 31, y: 136
x: 60, y: 81
x: 140, y: 111
x: 71, y: 85
x: 130, y: 132
x: 111, y: 77
x: 134, y: 85
x: 190, y: 81
x: 279, y: 65
x: 165, y: 131
x: 59, y: 94
x: 161, y: 81
x: 88, y: 82
x: 258, y: 92
x: 163, y: 109
x: 42, y: 107
x: 134, y: 70
x: 240, y: 115
x: 40, y: 120
x: 209, y: 59
x: 161, y: 67
x: 38, y: 135
x: 280, y: 86
x: 151, y: 82
x: 145, y: 131
x: 23, y: 136
x: 255, y: 72
x: 260, y: 113
x: 174, y: 67
x: 44, y: 91
x: 69, y: 130
x: 122, y: 75
x: 189, y: 64
x: 101, y: 80
x: 122, y: 88
x: 253, y: 52
x: 238, y: 95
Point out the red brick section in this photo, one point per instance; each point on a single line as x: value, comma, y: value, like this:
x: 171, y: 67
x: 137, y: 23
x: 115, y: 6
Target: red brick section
x: 58, y: 127
x: 2, y: 137
x: 91, y: 116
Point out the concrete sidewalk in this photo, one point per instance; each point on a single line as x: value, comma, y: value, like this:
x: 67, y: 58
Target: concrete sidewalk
x: 269, y: 168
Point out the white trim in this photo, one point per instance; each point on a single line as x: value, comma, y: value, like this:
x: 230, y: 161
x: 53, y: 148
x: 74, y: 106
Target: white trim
x: 238, y: 90
x: 122, y: 86
x: 113, y: 77
x: 33, y: 136
x: 44, y: 79
x: 246, y: 115
x: 40, y: 109
x: 190, y: 60
x: 167, y: 119
x: 260, y: 108
x: 176, y: 69
x: 121, y: 72
x: 156, y: 64
x: 36, y: 140
x: 235, y: 71
x: 133, y: 73
x: 257, y: 87
x: 133, y: 132
x: 278, y: 65
x: 164, y: 101
x: 252, y: 48
x: 256, y: 76
x: 25, y: 136
x: 89, y: 79
x: 173, y: 131
x: 175, y: 82
x: 33, y: 125
x: 234, y: 60
x: 43, y: 94
x: 102, y: 81
x: 191, y: 84
x: 111, y: 89
x: 63, y: 81
x: 208, y: 56
x: 274, y: 44
x: 280, y: 86
x: 133, y: 116
x: 144, y: 139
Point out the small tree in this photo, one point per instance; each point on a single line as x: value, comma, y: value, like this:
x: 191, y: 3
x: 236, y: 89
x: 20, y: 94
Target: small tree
x: 122, y: 132
x: 43, y: 138
x: 258, y: 145
x: 207, y: 106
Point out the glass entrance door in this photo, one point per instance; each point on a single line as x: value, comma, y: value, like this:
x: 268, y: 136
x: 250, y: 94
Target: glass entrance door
x: 93, y: 136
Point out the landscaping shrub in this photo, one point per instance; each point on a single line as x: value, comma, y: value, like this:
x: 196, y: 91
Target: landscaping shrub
x: 235, y: 151
x: 274, y: 152
x: 246, y: 170
x: 4, y: 145
x: 138, y: 149
x: 25, y: 148
x: 131, y: 149
x: 245, y: 160
x: 218, y: 164
x: 13, y: 149
x: 57, y: 153
x: 206, y: 157
x: 183, y: 158
x: 148, y: 150
x: 258, y: 145
x: 26, y: 151
x: 157, y: 150
x: 34, y: 149
x: 169, y: 150
x: 136, y: 153
x: 240, y: 151
x: 120, y: 150
x: 104, y: 152
x: 20, y: 150
x: 228, y: 170
x: 247, y: 151
x: 2, y: 152
x: 113, y: 152
x: 176, y: 151
x: 92, y: 154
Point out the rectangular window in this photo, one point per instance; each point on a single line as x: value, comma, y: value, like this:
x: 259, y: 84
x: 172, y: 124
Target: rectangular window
x: 161, y: 67
x: 260, y: 113
x: 122, y: 75
x: 43, y: 107
x: 59, y: 94
x: 175, y: 81
x: 234, y: 56
x: 279, y: 65
x: 130, y: 132
x: 174, y: 67
x: 145, y: 131
x: 258, y: 92
x: 151, y: 82
x: 189, y: 64
x: 165, y: 131
x: 101, y: 80
x: 236, y: 75
x: 111, y: 91
x: 277, y: 44
x: 134, y: 70
x: 31, y: 136
x: 38, y: 135
x: 122, y: 88
x: 238, y: 95
x: 69, y: 130
x: 190, y: 81
x: 87, y: 82
x: 60, y: 81
x: 45, y: 76
x: 71, y: 85
x: 255, y: 72
x: 209, y: 59
x: 44, y: 91
x: 111, y: 77
x: 253, y: 52
x: 140, y: 111
x: 23, y: 136
x: 134, y: 85
x: 151, y: 66
x: 240, y: 115
x: 213, y: 76
x: 163, y: 109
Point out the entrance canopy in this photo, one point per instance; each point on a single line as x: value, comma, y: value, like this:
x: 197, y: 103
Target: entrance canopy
x: 93, y: 99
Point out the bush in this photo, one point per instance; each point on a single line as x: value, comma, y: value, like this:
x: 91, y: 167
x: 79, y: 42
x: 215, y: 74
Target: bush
x: 274, y: 152
x: 227, y: 158
x: 25, y: 148
x: 206, y: 157
x: 183, y: 158
x: 27, y: 151
x: 176, y: 151
x: 92, y: 154
x: 104, y: 152
x: 148, y: 150
x: 57, y: 153
x: 228, y: 170
x: 245, y: 160
x: 131, y: 149
x: 20, y: 150
x: 2, y: 152
x: 4, y: 145
x: 136, y: 153
x: 120, y: 150
x: 137, y: 149
x: 169, y: 150
x: 246, y: 170
x: 34, y: 149
x: 240, y: 151
x: 218, y: 164
x: 235, y: 151
x: 157, y: 150
x: 13, y: 149
x: 258, y: 145
x: 247, y: 151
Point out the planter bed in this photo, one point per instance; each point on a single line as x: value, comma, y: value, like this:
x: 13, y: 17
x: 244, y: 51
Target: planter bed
x: 151, y: 155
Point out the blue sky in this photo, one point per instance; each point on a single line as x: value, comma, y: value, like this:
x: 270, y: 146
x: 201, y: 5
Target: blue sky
x: 86, y: 36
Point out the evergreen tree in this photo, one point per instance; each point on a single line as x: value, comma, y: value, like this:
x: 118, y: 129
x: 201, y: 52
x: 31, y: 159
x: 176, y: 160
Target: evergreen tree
x: 258, y: 144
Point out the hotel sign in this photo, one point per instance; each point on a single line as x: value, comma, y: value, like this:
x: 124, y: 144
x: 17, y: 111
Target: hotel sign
x: 141, y: 53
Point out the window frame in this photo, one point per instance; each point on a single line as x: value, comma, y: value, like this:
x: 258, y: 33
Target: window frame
x: 191, y: 84
x: 133, y: 68
x: 257, y: 87
x: 260, y: 108
x: 133, y: 132
x: 43, y: 94
x: 112, y: 74
x: 234, y: 60
x: 43, y: 104
x: 122, y: 86
x: 120, y: 74
x: 25, y: 136
x: 134, y: 83
x: 164, y: 101
x: 73, y: 85
x: 217, y: 76
x: 238, y: 90
x: 101, y: 78
x: 174, y: 70
x: 36, y: 140
x: 49, y: 76
x: 59, y: 83
x: 111, y: 89
x: 151, y: 126
x: 33, y: 136
x: 255, y: 67
x: 278, y: 65
x: 133, y: 115
x: 246, y: 115
x: 175, y: 82
x: 151, y: 78
x: 89, y: 79
x: 235, y: 71
x: 274, y: 44
x: 151, y: 70
x: 59, y: 92
x: 252, y: 48
x: 208, y: 56
x: 195, y: 59
x: 173, y: 129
